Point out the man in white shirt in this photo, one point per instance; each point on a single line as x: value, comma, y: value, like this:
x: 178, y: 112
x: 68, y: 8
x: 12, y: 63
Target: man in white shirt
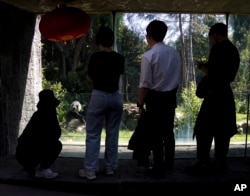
x: 159, y: 80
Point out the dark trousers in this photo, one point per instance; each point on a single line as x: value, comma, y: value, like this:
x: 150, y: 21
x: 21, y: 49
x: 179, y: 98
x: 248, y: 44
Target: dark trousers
x: 216, y: 121
x: 31, y: 156
x: 204, y: 140
x: 160, y: 112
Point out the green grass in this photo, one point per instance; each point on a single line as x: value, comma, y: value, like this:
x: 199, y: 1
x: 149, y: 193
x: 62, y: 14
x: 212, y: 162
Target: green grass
x: 124, y: 136
x: 72, y: 137
x: 241, y: 117
x: 79, y: 137
x: 240, y: 138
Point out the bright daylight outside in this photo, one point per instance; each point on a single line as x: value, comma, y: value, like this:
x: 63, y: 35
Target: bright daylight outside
x: 64, y: 70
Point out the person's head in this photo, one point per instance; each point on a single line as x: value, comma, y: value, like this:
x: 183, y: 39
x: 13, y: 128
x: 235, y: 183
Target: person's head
x: 157, y: 30
x: 47, y: 99
x: 218, y: 32
x: 105, y: 37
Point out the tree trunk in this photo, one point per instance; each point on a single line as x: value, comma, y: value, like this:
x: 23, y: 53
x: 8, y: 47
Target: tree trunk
x: 77, y: 51
x: 191, y: 59
x: 183, y: 54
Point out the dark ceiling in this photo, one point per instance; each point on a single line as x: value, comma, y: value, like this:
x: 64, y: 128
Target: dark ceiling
x: 178, y: 6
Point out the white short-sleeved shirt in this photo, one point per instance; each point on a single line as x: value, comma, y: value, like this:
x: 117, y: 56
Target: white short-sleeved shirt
x: 160, y: 68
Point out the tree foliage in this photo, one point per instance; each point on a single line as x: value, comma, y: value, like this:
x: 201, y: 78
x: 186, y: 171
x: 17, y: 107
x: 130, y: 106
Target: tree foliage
x: 188, y: 33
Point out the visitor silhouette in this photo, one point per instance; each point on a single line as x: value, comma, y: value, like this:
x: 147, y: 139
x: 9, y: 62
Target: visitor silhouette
x: 39, y: 146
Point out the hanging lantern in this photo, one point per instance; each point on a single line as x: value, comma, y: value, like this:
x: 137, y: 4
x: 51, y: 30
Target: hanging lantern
x: 64, y: 23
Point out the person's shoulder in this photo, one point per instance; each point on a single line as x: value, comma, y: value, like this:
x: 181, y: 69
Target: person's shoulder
x: 116, y: 53
x: 119, y: 55
x: 231, y: 43
x: 224, y: 42
x: 169, y: 47
x: 148, y: 52
x: 97, y: 53
x: 228, y: 44
x: 93, y: 56
x: 96, y: 56
x: 163, y: 46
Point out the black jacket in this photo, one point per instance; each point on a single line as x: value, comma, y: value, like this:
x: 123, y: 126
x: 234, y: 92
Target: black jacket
x: 140, y: 139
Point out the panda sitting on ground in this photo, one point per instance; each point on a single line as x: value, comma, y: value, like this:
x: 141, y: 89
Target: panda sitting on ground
x: 76, y: 116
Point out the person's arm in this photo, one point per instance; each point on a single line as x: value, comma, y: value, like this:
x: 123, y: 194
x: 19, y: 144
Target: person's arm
x: 145, y: 82
x: 142, y: 94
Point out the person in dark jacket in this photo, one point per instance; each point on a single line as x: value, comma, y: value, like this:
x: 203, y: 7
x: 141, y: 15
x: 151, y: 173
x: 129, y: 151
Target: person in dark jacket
x: 140, y: 143
x: 216, y: 119
x: 39, y: 145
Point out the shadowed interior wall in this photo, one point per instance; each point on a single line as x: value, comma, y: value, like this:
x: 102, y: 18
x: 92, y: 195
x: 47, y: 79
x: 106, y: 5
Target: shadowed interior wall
x: 18, y: 91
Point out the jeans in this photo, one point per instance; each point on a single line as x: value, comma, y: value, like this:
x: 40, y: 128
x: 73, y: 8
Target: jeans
x: 104, y: 110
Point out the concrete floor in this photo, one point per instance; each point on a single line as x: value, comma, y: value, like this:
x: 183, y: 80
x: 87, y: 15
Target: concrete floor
x: 127, y: 181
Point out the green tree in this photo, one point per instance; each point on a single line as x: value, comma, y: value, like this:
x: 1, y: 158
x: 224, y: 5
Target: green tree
x: 190, y: 104
x: 66, y: 62
x: 241, y: 38
x: 132, y: 46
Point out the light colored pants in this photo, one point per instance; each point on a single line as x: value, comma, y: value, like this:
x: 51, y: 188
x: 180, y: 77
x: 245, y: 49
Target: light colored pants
x: 104, y: 109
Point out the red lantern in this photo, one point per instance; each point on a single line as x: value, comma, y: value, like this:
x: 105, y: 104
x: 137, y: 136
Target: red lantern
x: 64, y: 24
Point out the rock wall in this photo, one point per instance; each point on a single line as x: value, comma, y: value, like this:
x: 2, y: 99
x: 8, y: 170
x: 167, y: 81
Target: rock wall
x: 20, y: 73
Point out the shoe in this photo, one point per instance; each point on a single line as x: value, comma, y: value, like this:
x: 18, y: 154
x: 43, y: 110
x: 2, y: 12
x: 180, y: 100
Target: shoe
x: 90, y: 175
x: 45, y: 173
x: 109, y: 172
